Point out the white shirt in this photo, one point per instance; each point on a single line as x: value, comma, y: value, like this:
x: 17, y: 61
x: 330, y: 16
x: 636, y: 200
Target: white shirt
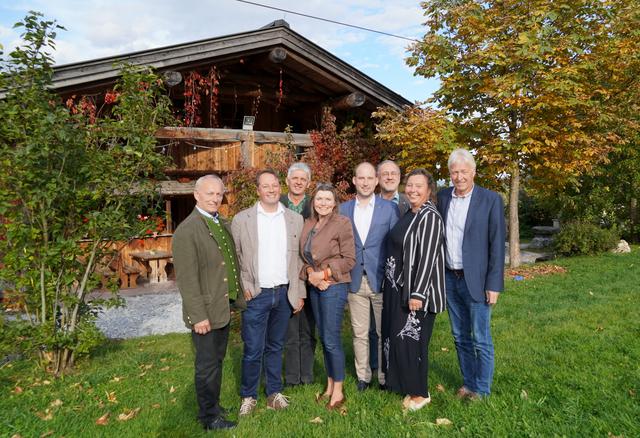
x: 456, y: 219
x: 272, y: 247
x: 207, y: 214
x: 362, y: 217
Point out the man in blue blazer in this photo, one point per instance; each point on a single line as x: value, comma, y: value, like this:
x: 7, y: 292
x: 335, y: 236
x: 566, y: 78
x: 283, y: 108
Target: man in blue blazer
x: 372, y: 219
x: 475, y: 235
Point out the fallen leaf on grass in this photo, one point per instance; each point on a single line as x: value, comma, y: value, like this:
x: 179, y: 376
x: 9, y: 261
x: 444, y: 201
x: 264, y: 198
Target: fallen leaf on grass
x: 163, y: 359
x: 172, y: 390
x: 142, y: 374
x: 443, y: 422
x: 146, y: 366
x: 632, y: 392
x: 610, y: 435
x: 17, y: 435
x: 17, y: 390
x: 316, y: 420
x: 527, y: 272
x: 46, y: 382
x: 167, y: 368
x: 128, y: 414
x: 599, y: 328
x: 104, y: 420
x: 111, y: 397
x: 524, y: 395
x: 46, y: 415
x: 46, y: 434
x: 156, y: 406
x: 343, y: 411
x: 117, y: 379
x: 57, y: 402
x: 173, y: 400
x: 440, y: 387
x: 445, y: 349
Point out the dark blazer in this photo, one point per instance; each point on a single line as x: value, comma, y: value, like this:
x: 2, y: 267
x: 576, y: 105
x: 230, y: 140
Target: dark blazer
x: 306, y: 208
x: 403, y: 204
x: 423, y: 260
x: 370, y: 255
x: 245, y: 234
x: 332, y: 247
x: 201, y: 274
x: 483, y: 241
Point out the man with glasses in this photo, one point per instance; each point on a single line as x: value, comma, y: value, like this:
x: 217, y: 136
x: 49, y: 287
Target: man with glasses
x: 389, y: 181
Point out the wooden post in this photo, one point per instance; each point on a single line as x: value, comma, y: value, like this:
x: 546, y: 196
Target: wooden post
x: 167, y: 210
x: 247, y: 148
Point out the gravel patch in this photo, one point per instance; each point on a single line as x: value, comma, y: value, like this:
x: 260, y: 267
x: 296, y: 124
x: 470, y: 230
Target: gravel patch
x: 143, y: 315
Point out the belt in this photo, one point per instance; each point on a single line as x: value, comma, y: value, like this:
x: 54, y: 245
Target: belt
x: 457, y: 272
x: 278, y: 286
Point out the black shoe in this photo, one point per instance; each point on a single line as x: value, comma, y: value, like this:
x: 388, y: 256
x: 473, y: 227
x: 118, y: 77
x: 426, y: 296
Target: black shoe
x: 382, y: 386
x: 362, y: 385
x: 218, y: 424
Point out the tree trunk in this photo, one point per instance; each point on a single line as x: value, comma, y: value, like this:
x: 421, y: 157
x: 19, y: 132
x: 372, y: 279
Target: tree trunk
x: 633, y: 216
x: 514, y: 223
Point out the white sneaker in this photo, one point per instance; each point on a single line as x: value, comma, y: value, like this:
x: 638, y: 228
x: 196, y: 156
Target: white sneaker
x: 277, y: 401
x: 413, y: 406
x: 247, y: 406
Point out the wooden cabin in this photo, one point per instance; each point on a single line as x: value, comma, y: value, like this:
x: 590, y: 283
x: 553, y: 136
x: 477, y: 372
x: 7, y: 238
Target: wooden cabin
x: 271, y: 75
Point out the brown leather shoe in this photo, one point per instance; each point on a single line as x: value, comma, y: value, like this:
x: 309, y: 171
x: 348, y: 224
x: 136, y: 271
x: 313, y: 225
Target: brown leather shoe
x: 337, y: 405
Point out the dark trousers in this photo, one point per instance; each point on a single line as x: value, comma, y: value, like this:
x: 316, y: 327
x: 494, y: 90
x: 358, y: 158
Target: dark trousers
x: 210, y: 351
x: 300, y: 347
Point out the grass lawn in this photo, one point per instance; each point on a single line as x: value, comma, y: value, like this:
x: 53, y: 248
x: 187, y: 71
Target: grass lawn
x: 567, y: 364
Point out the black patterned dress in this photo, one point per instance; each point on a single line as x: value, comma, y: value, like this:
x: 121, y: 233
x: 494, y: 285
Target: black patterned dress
x: 405, y: 334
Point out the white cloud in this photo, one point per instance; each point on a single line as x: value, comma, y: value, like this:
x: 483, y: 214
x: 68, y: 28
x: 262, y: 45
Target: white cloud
x: 102, y: 28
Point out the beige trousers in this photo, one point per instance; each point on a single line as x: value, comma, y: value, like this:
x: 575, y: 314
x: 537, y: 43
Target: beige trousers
x: 360, y: 312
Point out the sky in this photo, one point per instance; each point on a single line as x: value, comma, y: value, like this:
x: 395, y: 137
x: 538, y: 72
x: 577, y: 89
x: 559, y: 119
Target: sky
x: 99, y: 28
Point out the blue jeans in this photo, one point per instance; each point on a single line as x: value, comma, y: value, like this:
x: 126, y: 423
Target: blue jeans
x: 264, y: 325
x: 471, y: 329
x: 328, y: 310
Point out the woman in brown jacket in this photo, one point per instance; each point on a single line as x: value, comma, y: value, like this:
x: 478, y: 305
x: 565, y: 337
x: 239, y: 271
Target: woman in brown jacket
x: 328, y: 249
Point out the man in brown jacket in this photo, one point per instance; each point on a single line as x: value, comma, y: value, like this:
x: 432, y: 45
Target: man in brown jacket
x: 207, y: 274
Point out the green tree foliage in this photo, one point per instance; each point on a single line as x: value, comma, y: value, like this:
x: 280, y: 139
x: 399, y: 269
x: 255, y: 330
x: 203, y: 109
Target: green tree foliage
x: 71, y: 185
x: 531, y: 85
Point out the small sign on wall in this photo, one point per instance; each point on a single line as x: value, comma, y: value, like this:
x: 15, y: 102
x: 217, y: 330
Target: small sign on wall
x: 247, y: 123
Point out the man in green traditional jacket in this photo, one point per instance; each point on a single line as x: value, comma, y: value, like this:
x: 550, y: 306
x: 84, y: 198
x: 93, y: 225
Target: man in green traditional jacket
x: 208, y: 279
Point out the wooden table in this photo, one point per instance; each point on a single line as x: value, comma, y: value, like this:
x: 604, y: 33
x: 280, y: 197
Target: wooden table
x: 155, y: 262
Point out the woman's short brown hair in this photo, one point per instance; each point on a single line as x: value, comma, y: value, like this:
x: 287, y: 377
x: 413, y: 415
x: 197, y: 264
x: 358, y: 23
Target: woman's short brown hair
x: 431, y: 183
x: 323, y: 187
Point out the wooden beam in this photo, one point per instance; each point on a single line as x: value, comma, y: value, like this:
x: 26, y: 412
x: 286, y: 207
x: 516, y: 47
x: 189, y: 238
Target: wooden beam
x: 277, y: 55
x: 231, y: 135
x: 352, y: 100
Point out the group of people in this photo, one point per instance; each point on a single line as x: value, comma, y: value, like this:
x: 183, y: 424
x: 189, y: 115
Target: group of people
x: 293, y: 262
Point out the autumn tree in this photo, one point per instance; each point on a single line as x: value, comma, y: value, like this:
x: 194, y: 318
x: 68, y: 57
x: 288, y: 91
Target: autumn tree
x: 71, y: 184
x: 417, y: 137
x: 525, y: 84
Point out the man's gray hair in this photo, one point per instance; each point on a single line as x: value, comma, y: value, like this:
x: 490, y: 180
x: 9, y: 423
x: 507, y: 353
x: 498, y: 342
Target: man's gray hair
x: 299, y: 166
x: 202, y: 179
x: 461, y: 155
x: 387, y: 162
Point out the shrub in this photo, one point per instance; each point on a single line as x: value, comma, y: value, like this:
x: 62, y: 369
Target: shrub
x: 584, y: 238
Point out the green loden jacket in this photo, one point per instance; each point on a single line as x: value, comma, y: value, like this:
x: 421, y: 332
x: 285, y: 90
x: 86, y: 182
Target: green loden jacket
x: 201, y: 274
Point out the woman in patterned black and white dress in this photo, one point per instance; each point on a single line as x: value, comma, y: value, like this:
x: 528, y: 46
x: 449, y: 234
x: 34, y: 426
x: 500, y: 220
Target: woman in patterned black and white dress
x: 414, y: 291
